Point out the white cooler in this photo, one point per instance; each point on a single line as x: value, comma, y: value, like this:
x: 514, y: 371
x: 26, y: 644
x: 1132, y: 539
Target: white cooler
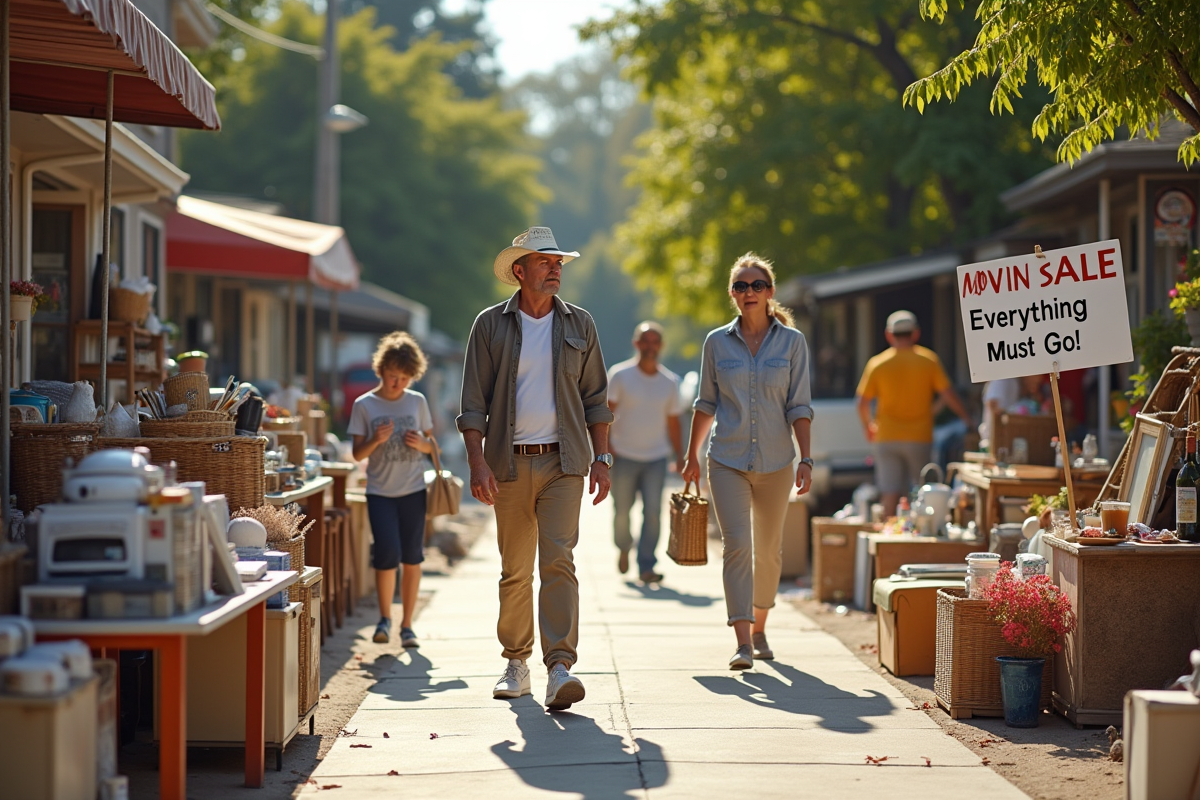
x: 1162, y: 745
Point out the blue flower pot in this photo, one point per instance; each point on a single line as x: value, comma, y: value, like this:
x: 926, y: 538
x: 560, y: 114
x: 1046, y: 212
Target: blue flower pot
x: 1021, y: 688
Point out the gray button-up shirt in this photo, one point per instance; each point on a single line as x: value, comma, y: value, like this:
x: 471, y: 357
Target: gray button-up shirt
x: 489, y: 393
x: 754, y: 399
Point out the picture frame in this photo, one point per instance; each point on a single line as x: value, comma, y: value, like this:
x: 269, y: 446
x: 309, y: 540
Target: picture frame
x: 1150, y: 449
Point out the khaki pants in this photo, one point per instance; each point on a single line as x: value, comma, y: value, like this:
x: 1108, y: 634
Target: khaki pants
x: 750, y: 507
x: 538, y: 514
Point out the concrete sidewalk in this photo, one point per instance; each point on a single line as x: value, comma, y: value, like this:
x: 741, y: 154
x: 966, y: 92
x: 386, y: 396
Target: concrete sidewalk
x: 663, y: 716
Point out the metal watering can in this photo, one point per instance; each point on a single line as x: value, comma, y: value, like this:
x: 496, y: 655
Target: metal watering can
x: 936, y: 496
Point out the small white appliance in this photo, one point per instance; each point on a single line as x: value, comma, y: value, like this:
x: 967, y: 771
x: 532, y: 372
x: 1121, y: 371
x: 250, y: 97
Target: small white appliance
x: 92, y: 540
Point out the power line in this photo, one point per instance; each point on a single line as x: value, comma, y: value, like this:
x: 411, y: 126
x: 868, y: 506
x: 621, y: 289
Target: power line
x: 263, y: 36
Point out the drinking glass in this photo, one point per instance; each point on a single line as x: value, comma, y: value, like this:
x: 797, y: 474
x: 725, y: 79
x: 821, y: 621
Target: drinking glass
x: 1114, y: 517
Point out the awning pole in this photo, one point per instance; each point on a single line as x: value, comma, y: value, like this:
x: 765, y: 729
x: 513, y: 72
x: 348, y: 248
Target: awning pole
x: 310, y: 335
x: 6, y: 265
x: 105, y: 244
x: 333, y: 354
x: 290, y: 373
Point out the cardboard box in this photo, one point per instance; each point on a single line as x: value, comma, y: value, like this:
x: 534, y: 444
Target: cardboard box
x: 1162, y: 759
x: 48, y: 744
x: 906, y: 622
x: 834, y: 544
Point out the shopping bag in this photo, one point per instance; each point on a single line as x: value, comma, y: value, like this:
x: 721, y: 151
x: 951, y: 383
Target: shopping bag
x: 443, y: 490
x: 688, y: 545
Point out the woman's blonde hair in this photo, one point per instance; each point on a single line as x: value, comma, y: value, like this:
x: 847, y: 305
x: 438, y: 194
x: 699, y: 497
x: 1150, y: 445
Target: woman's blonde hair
x: 750, y: 260
x: 399, y: 351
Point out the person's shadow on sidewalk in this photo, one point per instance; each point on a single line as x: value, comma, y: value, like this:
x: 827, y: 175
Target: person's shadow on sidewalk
x: 837, y: 709
x: 660, y: 592
x: 550, y: 759
x: 411, y: 682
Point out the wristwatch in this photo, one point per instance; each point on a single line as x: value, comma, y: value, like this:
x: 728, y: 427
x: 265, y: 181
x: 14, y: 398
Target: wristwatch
x: 605, y: 458
x: 808, y: 461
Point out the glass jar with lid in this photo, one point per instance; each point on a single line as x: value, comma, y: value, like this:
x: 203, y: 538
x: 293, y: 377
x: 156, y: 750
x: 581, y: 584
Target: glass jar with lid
x: 981, y: 573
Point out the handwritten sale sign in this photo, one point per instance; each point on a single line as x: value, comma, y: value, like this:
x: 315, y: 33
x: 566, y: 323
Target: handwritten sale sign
x: 1023, y: 313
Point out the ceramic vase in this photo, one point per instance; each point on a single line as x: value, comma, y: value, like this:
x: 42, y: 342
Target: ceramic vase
x: 82, y: 405
x: 1021, y: 690
x: 1192, y: 317
x: 20, y: 308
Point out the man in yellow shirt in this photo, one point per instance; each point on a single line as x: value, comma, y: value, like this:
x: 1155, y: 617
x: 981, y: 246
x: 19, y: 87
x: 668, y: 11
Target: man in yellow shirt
x: 902, y: 382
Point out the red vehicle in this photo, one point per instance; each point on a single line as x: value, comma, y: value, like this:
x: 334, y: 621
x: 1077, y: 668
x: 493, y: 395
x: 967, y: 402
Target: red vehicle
x: 357, y: 380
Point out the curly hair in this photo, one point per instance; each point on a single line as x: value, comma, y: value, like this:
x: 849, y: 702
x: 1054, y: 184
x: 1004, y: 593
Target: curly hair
x: 400, y: 351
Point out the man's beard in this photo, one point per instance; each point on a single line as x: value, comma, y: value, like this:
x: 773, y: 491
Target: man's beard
x: 550, y: 288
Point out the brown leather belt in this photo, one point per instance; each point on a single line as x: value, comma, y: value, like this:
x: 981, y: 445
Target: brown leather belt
x: 535, y: 449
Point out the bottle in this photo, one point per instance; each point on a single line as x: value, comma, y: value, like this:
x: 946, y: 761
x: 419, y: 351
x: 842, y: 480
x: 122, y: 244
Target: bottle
x: 903, y: 508
x: 1186, y: 482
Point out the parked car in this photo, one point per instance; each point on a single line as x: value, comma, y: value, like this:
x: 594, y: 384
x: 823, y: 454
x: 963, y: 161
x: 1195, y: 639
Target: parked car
x: 357, y: 379
x: 840, y: 450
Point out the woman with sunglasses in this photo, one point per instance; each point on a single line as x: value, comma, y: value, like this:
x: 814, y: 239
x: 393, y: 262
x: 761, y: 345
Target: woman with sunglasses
x: 754, y: 394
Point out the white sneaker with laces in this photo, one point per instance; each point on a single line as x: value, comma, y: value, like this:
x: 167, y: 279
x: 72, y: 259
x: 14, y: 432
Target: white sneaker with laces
x: 514, y: 682
x: 562, y: 689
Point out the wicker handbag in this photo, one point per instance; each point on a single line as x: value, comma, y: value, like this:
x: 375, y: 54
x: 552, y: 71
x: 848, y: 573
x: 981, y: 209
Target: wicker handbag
x: 444, y: 489
x: 688, y: 545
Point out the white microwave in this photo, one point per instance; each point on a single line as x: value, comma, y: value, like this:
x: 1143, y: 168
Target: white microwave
x: 91, y: 540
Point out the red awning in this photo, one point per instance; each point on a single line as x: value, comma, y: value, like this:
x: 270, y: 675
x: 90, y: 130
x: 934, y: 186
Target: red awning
x: 61, y: 50
x: 216, y: 239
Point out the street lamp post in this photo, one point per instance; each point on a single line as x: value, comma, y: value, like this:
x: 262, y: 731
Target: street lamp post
x: 333, y: 119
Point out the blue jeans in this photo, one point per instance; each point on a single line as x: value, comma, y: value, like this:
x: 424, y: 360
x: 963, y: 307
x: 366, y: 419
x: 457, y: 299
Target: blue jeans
x: 630, y: 478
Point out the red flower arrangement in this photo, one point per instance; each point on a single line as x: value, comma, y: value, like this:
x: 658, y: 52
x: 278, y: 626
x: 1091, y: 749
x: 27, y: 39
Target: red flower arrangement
x: 1033, y: 613
x: 29, y: 289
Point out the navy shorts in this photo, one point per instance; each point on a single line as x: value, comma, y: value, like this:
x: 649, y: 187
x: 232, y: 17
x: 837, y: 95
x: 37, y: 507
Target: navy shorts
x: 398, y: 524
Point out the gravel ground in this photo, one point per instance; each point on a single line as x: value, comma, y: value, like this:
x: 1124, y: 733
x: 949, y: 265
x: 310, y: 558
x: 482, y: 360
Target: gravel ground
x: 1054, y: 761
x: 349, y: 663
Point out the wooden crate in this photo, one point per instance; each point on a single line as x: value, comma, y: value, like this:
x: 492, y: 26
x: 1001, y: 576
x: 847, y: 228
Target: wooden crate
x: 834, y: 544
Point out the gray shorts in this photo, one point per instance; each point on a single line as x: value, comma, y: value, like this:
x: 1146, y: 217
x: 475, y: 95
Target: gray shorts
x: 898, y: 465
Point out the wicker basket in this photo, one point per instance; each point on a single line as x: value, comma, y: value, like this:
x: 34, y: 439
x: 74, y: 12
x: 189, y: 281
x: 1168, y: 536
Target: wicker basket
x: 294, y: 547
x: 967, y: 676
x: 190, y: 388
x: 1036, y: 429
x: 294, y: 442
x: 39, y: 453
x: 688, y: 545
x: 126, y: 305
x: 232, y: 466
x: 193, y: 425
x: 281, y: 423
x: 309, y: 590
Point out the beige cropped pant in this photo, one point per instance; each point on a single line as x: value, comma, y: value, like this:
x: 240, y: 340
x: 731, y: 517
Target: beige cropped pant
x: 537, y: 518
x: 750, y: 507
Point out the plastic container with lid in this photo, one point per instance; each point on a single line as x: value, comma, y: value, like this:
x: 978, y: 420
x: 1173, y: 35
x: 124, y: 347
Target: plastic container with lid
x: 981, y: 572
x: 73, y: 654
x: 33, y: 677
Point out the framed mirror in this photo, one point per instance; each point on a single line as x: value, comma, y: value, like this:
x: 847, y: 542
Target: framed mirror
x: 1145, y: 474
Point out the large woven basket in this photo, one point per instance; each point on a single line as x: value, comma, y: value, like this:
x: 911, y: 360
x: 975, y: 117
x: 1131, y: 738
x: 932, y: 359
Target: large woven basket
x: 281, y: 423
x: 126, y: 305
x: 688, y: 545
x: 295, y: 547
x: 967, y: 676
x: 232, y: 466
x: 309, y: 592
x: 193, y: 425
x: 187, y: 388
x: 39, y: 453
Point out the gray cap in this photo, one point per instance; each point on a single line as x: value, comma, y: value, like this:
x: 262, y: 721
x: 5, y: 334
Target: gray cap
x: 902, y: 322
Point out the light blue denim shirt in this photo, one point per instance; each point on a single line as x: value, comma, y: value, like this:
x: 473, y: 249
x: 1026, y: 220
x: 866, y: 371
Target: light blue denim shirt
x: 754, y: 399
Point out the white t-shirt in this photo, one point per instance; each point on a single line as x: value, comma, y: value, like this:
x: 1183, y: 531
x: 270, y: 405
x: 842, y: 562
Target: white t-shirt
x: 643, y: 404
x: 537, y: 406
x: 1006, y: 391
x: 394, y: 469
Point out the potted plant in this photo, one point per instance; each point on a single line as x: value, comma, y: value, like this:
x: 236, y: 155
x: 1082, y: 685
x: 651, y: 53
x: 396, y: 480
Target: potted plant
x: 1033, y: 615
x: 23, y: 299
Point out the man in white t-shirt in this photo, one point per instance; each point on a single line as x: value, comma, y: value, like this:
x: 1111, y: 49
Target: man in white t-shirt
x: 535, y: 422
x: 644, y: 396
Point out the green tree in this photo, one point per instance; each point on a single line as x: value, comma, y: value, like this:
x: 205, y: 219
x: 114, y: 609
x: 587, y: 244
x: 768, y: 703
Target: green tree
x: 779, y: 128
x: 1110, y: 65
x: 431, y: 188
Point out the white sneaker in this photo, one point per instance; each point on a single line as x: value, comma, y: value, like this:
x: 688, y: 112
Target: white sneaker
x: 562, y: 689
x: 514, y: 682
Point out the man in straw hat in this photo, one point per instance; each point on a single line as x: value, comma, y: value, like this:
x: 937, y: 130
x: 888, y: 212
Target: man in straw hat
x: 534, y: 391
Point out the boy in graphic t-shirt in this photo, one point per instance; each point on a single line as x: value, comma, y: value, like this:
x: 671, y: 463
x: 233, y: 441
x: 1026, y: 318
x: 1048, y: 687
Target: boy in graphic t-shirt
x: 392, y: 428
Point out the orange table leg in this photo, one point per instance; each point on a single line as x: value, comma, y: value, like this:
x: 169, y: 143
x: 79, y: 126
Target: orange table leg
x: 172, y: 704
x: 256, y: 692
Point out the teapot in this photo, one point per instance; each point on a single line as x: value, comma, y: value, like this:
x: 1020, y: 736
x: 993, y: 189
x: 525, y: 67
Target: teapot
x: 936, y: 496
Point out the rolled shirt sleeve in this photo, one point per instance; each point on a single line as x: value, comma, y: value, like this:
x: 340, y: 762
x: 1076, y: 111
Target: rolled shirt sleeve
x: 478, y: 381
x: 799, y: 402
x: 706, y: 397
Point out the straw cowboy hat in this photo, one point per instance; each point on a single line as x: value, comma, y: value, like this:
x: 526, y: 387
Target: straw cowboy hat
x: 534, y: 240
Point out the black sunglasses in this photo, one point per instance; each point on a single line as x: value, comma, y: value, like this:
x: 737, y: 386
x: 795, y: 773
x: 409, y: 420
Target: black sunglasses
x: 758, y: 286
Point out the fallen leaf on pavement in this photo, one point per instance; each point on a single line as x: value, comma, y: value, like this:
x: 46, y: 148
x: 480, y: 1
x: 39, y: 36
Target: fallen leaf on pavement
x: 433, y: 736
x: 393, y: 772
x: 986, y: 761
x: 360, y: 745
x: 385, y: 735
x: 928, y: 763
x: 324, y: 697
x: 876, y: 761
x: 331, y: 786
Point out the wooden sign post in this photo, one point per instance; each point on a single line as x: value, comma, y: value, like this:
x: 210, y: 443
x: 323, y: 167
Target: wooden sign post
x: 1064, y: 447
